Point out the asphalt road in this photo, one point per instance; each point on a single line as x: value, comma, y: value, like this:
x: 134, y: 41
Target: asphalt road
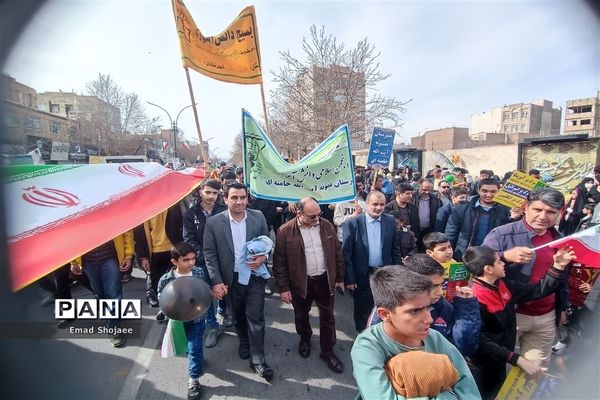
x: 81, y: 367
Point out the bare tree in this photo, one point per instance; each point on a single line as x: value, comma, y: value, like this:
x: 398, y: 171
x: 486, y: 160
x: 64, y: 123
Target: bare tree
x: 329, y: 87
x: 236, y: 150
x: 132, y: 112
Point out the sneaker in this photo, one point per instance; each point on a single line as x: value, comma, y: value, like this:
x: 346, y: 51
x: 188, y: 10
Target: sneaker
x: 212, y: 337
x: 160, y: 316
x: 194, y: 389
x: 268, y: 291
x: 559, y: 348
x: 226, y: 320
x: 117, y: 340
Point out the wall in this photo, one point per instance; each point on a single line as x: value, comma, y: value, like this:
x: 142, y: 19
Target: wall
x: 499, y: 159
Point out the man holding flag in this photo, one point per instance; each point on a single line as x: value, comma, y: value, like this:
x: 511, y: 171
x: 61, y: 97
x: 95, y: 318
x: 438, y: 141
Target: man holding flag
x: 524, y: 246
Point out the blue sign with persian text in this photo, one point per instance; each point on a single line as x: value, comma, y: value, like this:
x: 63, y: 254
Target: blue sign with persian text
x: 380, y: 151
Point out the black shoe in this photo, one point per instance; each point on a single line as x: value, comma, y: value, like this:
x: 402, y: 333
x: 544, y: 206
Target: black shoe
x: 263, y: 370
x: 333, y: 362
x: 152, y: 300
x: 244, y: 351
x: 117, y: 340
x: 304, y: 349
x: 160, y: 316
x: 194, y: 390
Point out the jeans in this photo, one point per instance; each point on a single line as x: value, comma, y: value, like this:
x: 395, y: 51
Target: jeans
x: 194, y: 331
x: 105, y: 278
x: 210, y: 319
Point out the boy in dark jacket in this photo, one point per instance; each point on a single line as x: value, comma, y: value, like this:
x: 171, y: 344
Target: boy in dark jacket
x: 497, y: 299
x: 459, y: 323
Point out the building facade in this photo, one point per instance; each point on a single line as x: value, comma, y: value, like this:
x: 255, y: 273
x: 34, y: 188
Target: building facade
x: 583, y: 116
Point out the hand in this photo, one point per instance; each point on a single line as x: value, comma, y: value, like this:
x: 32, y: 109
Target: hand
x: 145, y: 264
x: 516, y: 213
x: 585, y: 287
x: 520, y: 255
x: 339, y: 285
x: 292, y: 207
x: 563, y: 257
x: 465, y: 292
x: 351, y: 286
x: 286, y: 297
x: 563, y: 318
x: 331, y: 206
x: 125, y: 264
x: 219, y: 291
x: 255, y: 262
x: 529, y: 367
x: 569, y: 210
x: 76, y: 269
x: 357, y: 210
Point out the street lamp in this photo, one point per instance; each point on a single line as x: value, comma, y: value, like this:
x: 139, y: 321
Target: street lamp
x: 173, y: 124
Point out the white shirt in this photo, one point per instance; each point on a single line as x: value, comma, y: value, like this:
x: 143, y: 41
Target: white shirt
x: 313, y: 250
x: 238, y: 234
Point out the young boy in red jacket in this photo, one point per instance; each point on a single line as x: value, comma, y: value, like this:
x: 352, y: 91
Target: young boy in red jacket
x: 497, y: 299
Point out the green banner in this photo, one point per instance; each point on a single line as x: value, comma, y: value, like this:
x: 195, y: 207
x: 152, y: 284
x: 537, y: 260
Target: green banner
x: 326, y: 173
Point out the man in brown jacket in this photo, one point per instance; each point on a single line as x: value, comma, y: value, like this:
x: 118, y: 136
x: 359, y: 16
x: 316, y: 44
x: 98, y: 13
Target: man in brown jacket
x: 308, y: 265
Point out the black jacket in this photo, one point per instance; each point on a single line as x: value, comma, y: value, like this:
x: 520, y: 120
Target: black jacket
x: 498, y: 314
x: 194, y: 221
x: 413, y: 214
x: 460, y: 229
x: 434, y: 205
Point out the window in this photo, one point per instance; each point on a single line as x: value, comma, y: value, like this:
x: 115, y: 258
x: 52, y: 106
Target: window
x: 54, y: 108
x: 585, y: 122
x: 514, y: 116
x: 524, y: 114
x: 523, y: 128
x: 573, y: 122
x: 505, y: 115
x: 586, y: 109
x: 32, y: 124
x: 54, y: 127
x: 68, y: 109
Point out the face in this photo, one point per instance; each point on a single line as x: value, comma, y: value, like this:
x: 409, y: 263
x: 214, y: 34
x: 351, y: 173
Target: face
x: 461, y: 198
x: 536, y: 176
x: 360, y: 186
x: 444, y: 187
x: 437, y: 291
x: 426, y: 188
x: 404, y: 197
x: 375, y: 205
x: 497, y: 270
x: 209, y: 194
x: 541, y: 216
x: 309, y: 217
x: 437, y: 173
x: 409, y: 322
x: 487, y: 193
x: 236, y: 201
x: 441, y: 252
x: 483, y: 176
x: 378, y: 183
x: 240, y: 178
x: 185, y: 263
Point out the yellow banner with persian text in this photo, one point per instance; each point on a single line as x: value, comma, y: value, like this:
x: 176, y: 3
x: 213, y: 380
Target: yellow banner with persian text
x: 232, y: 56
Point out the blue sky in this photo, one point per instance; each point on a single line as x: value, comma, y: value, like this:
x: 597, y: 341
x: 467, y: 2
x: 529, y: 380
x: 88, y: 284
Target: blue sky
x: 453, y: 58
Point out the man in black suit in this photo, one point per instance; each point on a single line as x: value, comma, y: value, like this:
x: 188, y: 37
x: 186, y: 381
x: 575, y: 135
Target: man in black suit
x: 224, y: 237
x: 370, y: 242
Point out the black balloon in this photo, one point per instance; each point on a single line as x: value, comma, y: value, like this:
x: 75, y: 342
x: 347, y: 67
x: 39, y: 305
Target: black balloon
x: 185, y: 299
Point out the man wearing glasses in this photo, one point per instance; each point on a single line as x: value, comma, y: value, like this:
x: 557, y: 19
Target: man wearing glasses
x: 308, y: 265
x: 443, y: 192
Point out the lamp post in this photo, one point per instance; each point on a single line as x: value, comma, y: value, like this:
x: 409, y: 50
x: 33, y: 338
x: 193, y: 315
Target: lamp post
x: 173, y: 124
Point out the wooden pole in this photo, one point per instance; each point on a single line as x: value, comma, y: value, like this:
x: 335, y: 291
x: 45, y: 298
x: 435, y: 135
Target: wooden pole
x: 375, y: 179
x: 202, y: 149
x: 264, y: 104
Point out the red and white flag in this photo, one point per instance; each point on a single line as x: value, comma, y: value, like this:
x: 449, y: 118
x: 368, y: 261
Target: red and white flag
x: 59, y: 212
x: 186, y: 145
x: 165, y: 144
x: 586, y: 245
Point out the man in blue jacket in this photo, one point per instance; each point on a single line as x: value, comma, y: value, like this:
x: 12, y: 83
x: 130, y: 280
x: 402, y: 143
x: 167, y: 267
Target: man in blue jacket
x: 370, y: 241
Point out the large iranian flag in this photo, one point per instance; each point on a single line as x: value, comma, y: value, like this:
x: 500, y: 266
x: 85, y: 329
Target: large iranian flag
x: 56, y: 213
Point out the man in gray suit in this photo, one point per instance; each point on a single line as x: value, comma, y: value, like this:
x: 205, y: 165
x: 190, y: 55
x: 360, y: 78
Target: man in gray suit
x: 224, y: 237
